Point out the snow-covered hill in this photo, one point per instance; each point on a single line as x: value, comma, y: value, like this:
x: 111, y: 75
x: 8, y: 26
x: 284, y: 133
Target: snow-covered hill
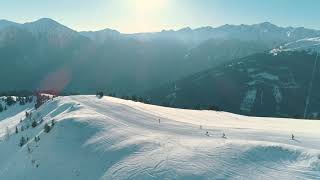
x: 305, y: 44
x: 111, y: 138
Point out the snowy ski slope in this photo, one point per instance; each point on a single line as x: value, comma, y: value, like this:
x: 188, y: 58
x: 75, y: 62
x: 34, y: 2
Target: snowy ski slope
x: 110, y: 138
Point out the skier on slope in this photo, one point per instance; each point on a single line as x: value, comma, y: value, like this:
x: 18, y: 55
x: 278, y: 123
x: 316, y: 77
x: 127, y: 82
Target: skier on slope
x: 223, y: 135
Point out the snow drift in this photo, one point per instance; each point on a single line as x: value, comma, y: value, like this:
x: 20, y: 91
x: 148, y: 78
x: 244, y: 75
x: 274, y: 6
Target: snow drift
x: 111, y: 138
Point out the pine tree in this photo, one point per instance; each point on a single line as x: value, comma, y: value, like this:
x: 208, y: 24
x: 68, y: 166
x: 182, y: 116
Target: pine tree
x: 10, y: 101
x: 17, y: 130
x: 22, y: 141
x: 134, y: 98
x: 22, y: 101
x: 47, y: 128
x: 99, y: 94
x: 34, y: 124
x: 1, y: 107
x: 53, y: 122
x: 37, y: 139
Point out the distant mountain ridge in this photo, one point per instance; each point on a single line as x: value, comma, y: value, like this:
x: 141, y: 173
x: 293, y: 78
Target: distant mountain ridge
x: 45, y: 54
x: 265, y: 31
x: 43, y: 25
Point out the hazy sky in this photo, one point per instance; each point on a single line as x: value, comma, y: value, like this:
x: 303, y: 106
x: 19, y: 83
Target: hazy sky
x: 155, y: 15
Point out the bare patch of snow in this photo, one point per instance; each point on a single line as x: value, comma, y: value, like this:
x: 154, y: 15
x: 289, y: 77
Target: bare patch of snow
x: 265, y: 75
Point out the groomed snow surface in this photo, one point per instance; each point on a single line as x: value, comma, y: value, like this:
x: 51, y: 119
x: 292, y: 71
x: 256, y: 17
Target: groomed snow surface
x: 110, y: 138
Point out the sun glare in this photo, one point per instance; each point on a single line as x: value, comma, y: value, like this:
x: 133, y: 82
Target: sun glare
x: 149, y: 5
x: 145, y: 14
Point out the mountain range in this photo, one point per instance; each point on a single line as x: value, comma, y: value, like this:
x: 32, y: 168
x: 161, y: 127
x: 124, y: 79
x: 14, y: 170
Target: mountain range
x: 48, y: 55
x: 264, y: 84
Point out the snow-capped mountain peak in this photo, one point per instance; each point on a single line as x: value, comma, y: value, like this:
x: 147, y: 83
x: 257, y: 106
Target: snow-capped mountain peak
x: 266, y: 25
x: 185, y: 29
x: 6, y: 23
x: 46, y: 25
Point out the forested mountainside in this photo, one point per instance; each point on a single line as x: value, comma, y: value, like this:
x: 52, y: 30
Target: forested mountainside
x: 264, y: 84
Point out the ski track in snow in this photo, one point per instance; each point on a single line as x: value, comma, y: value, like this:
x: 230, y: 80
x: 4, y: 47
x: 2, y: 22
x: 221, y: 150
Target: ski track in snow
x: 110, y: 138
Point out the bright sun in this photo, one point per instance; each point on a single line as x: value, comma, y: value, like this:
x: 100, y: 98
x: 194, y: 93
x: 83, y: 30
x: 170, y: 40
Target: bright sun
x: 146, y: 13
